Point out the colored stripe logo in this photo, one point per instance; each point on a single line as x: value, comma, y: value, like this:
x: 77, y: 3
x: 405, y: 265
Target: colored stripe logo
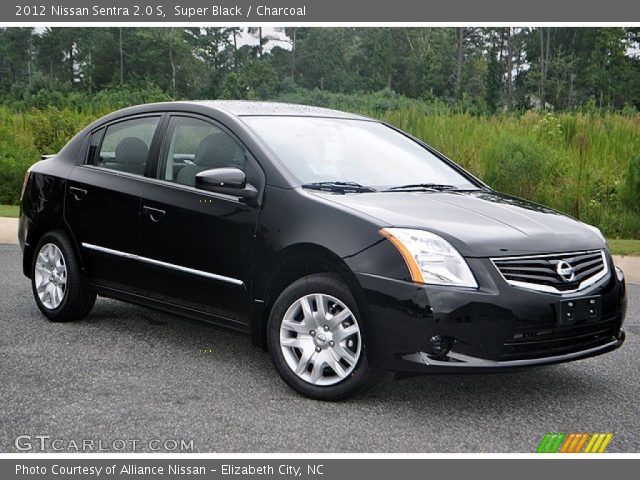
x: 574, y: 443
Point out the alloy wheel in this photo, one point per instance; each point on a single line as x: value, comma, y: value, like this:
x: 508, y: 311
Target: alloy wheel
x: 50, y: 276
x: 320, y: 339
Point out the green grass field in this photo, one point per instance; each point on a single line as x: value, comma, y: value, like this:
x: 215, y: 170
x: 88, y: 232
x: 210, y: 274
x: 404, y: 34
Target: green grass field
x: 585, y: 164
x: 9, y: 211
x: 624, y: 247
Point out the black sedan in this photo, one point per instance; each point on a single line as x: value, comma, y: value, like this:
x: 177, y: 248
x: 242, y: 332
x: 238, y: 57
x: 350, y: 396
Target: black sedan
x: 342, y: 245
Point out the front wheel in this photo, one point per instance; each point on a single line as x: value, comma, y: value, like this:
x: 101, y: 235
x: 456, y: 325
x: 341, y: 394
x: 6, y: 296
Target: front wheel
x: 316, y: 339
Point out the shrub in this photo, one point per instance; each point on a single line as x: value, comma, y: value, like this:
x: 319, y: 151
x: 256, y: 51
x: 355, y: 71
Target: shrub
x: 630, y: 192
x: 583, y: 163
x: 520, y: 166
x: 52, y: 129
x: 121, y: 96
x: 549, y: 130
x: 256, y: 80
x: 16, y: 156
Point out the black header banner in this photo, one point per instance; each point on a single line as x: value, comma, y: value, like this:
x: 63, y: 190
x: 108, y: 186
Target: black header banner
x: 306, y: 11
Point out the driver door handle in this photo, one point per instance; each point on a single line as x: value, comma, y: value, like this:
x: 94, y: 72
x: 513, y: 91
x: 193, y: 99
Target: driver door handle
x: 155, y: 214
x: 78, y: 193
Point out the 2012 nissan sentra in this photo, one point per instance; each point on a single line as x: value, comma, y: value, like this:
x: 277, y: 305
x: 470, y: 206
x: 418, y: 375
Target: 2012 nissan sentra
x: 340, y: 244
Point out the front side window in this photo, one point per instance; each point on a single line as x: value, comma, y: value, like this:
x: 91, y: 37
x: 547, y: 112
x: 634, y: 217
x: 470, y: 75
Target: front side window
x: 125, y: 147
x: 344, y: 150
x: 193, y: 146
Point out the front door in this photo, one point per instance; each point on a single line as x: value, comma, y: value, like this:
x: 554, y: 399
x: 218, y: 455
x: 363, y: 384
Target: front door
x: 196, y: 245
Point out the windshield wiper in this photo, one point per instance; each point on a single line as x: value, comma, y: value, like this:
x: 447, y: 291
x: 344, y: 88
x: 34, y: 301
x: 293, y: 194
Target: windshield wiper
x: 352, y: 187
x: 422, y: 186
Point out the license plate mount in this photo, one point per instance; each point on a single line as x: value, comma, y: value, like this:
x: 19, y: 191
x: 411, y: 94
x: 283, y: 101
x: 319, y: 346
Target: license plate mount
x: 580, y: 310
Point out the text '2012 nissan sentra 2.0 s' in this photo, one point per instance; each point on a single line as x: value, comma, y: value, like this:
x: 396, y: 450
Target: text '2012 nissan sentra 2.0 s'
x: 342, y: 245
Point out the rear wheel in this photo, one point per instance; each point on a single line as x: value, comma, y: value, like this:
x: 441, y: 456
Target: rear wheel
x: 316, y: 339
x: 59, y: 288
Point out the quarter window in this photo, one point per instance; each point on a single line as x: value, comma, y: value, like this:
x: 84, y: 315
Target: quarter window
x: 194, y: 146
x: 94, y: 146
x: 125, y: 147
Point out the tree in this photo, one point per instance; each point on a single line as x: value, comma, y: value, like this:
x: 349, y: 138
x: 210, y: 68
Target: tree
x: 210, y: 46
x: 15, y: 55
x: 121, y: 52
x: 256, y: 32
x: 493, y: 82
x: 256, y: 80
x: 509, y: 68
x: 55, y: 49
x: 545, y: 48
x: 474, y: 69
x: 291, y: 34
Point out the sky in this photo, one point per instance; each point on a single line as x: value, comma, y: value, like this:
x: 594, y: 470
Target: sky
x: 246, y: 39
x: 271, y: 32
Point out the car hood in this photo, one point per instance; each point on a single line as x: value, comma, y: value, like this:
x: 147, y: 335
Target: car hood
x: 479, y: 223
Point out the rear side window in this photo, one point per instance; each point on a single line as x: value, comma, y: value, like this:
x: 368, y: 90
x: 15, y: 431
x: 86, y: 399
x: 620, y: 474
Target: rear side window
x: 125, y: 146
x: 193, y: 146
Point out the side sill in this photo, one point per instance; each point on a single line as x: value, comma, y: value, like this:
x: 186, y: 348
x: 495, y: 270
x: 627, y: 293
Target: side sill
x: 167, y: 307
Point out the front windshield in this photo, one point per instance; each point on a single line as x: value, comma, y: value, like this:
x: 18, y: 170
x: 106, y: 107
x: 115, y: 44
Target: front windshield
x: 343, y: 150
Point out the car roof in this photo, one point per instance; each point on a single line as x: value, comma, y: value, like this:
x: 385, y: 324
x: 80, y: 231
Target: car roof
x: 253, y: 108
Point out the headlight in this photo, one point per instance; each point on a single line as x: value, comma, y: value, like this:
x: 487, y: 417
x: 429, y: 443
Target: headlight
x: 430, y: 258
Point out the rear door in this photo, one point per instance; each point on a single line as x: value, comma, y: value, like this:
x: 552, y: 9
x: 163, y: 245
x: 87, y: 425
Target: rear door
x: 102, y: 203
x: 197, y: 245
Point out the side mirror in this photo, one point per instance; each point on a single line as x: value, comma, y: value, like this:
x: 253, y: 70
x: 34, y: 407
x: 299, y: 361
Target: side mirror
x: 228, y: 180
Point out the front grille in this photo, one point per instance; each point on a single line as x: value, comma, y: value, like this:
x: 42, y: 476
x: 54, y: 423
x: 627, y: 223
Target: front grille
x: 548, y: 342
x: 543, y: 272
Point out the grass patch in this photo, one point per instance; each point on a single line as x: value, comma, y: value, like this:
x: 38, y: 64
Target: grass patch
x: 9, y: 211
x: 584, y: 164
x: 624, y: 247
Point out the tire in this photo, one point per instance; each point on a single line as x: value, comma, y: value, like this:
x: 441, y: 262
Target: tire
x: 59, y: 288
x: 325, y: 363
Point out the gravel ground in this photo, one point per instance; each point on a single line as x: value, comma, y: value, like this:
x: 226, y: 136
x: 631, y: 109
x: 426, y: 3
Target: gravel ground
x: 129, y: 373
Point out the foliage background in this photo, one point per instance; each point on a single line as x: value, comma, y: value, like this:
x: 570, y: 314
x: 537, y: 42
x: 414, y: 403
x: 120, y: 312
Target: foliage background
x: 549, y: 114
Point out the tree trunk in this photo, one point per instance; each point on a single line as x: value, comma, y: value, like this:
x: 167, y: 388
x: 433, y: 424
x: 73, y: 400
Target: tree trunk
x: 548, y: 48
x: 542, y: 70
x: 235, y: 48
x: 90, y: 79
x: 120, y: 46
x: 460, y: 58
x: 293, y: 54
x: 71, y: 60
x: 389, y: 59
x: 572, y: 77
x: 173, y: 64
x: 509, y: 68
x: 29, y: 65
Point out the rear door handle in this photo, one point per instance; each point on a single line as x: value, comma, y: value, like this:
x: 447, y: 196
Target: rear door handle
x: 78, y: 193
x: 155, y: 214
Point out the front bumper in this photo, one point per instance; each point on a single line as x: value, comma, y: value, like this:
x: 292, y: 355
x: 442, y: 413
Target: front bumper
x: 494, y: 327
